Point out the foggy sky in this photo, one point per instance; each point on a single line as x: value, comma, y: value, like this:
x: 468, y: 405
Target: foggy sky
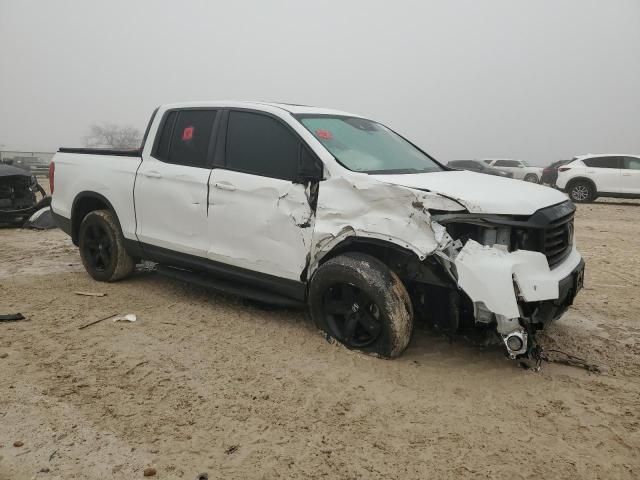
x: 539, y: 80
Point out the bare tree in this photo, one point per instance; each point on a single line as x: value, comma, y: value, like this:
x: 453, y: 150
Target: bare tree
x: 109, y: 135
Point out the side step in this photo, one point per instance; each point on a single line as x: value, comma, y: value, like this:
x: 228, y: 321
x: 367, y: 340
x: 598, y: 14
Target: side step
x: 226, y: 286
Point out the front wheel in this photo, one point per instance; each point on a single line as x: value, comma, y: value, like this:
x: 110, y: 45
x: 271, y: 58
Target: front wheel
x: 359, y: 301
x: 531, y: 178
x: 102, y: 247
x: 581, y: 192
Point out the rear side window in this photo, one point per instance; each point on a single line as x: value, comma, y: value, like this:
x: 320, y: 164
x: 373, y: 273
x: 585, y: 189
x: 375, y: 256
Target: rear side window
x: 632, y: 163
x: 602, y: 162
x: 191, y: 137
x: 185, y: 137
x: 261, y: 145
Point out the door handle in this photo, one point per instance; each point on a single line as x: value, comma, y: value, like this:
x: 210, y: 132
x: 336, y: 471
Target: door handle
x: 626, y: 174
x: 224, y: 186
x: 153, y: 174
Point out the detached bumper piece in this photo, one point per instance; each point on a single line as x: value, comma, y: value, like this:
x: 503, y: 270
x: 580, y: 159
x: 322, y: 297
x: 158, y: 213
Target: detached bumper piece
x: 517, y: 290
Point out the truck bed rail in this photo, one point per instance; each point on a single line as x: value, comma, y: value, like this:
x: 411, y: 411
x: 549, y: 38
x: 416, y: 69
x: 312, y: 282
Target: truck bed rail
x: 103, y: 151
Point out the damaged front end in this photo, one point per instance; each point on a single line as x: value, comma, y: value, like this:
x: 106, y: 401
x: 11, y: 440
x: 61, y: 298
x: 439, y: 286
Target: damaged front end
x: 515, y: 273
x: 18, y: 200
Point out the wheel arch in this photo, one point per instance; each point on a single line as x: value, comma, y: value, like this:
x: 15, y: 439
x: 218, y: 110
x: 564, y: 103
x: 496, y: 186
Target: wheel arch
x: 404, y: 262
x: 85, y: 202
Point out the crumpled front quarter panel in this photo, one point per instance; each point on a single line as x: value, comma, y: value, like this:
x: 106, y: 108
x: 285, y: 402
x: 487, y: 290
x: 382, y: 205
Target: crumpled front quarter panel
x: 372, y: 209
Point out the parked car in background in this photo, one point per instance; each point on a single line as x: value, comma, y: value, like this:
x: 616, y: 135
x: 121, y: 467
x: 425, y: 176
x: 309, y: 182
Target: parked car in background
x: 18, y: 200
x: 479, y: 167
x: 521, y: 170
x: 550, y: 173
x: 588, y: 177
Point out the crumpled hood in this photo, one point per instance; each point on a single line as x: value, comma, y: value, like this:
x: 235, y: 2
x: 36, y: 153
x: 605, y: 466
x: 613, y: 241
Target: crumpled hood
x: 481, y: 193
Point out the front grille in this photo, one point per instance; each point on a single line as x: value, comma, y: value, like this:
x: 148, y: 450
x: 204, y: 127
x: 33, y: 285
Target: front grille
x: 558, y: 239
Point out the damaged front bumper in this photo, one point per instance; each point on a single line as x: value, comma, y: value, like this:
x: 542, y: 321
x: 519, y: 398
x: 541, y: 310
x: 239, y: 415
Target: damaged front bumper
x: 517, y: 291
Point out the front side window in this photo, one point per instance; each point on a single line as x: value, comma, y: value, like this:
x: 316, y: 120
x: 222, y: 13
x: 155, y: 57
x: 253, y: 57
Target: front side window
x: 602, y: 162
x: 632, y: 163
x: 365, y: 146
x: 261, y: 145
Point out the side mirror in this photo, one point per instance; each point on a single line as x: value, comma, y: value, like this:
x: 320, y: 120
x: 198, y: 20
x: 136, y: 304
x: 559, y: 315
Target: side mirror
x: 309, y: 168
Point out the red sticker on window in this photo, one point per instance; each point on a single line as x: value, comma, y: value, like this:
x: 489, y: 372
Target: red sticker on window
x: 324, y: 134
x: 187, y: 134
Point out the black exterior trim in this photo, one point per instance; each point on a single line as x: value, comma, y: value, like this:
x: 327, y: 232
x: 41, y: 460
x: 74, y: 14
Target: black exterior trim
x: 292, y: 289
x: 63, y: 223
x: 102, y: 151
x: 618, y: 195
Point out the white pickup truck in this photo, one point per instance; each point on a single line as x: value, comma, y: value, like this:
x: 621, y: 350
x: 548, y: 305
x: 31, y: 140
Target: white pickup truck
x: 307, y: 206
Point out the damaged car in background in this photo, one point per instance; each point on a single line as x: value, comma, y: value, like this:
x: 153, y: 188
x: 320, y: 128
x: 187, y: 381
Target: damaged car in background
x: 19, y: 192
x: 311, y: 207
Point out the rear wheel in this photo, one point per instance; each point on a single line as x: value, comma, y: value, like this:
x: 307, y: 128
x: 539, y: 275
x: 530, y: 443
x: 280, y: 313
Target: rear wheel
x: 102, y: 247
x: 357, y: 300
x: 581, y: 191
x: 531, y: 178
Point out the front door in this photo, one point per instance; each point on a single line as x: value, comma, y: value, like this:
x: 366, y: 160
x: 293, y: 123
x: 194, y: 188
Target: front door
x: 260, y: 217
x: 172, y: 183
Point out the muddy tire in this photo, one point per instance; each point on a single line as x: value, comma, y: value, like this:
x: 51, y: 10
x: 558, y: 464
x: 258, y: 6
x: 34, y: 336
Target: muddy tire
x: 359, y: 301
x: 581, y: 191
x: 531, y: 178
x: 102, y: 247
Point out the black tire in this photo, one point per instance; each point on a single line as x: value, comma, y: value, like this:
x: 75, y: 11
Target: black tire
x: 360, y: 302
x: 531, y: 178
x: 581, y: 191
x: 102, y: 247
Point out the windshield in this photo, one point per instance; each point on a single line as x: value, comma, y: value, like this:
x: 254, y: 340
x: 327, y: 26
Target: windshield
x: 365, y: 146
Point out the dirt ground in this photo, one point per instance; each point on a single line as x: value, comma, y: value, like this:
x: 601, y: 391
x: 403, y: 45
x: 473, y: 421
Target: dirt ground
x: 204, y: 382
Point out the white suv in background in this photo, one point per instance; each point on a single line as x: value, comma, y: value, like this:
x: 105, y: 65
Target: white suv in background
x: 588, y: 177
x: 521, y: 170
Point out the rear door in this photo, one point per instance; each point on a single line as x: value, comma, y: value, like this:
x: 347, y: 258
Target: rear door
x: 630, y: 175
x: 260, y: 217
x: 172, y: 182
x: 605, y: 172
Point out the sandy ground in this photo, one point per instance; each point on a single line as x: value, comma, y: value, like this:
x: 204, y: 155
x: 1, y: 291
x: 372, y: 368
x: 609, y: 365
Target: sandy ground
x: 208, y: 383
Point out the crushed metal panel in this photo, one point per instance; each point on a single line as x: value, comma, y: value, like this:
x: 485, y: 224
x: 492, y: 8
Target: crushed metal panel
x: 487, y: 274
x: 259, y: 223
x: 373, y: 209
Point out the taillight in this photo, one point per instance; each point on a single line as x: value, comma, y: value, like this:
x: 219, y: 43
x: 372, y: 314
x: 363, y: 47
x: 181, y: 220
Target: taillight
x: 52, y: 174
x: 564, y: 169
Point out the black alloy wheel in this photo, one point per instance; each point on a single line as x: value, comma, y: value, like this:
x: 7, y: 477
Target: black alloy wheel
x: 351, y: 315
x: 97, y: 247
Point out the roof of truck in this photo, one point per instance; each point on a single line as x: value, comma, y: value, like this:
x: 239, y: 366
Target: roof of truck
x: 289, y: 107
